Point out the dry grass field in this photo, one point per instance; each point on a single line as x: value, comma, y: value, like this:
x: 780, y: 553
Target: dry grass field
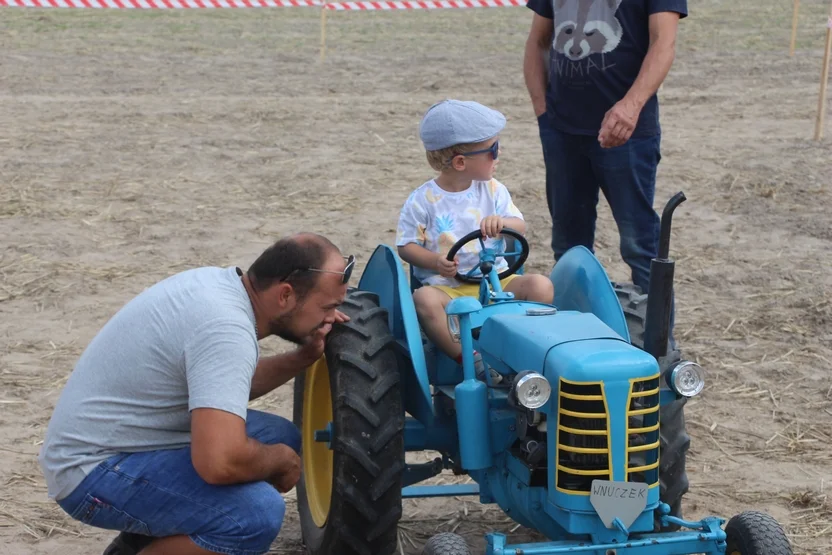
x: 135, y: 144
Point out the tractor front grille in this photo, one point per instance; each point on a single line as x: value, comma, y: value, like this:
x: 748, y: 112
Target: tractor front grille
x: 643, y: 439
x: 583, y: 451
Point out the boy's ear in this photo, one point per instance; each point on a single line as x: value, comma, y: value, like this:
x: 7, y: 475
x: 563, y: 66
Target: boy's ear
x: 458, y: 163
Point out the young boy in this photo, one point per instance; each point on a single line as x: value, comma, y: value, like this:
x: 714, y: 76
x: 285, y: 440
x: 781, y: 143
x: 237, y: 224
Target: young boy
x: 461, y: 140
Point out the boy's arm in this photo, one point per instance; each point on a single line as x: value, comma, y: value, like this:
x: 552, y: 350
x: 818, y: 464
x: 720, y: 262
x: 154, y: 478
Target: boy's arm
x: 517, y: 224
x: 507, y: 210
x: 417, y: 255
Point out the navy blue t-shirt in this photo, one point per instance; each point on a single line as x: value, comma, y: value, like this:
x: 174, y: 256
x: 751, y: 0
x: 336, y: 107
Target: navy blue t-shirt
x: 598, y: 47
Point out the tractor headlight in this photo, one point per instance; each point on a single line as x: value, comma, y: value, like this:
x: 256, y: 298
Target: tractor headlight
x: 687, y: 379
x: 532, y: 390
x: 453, y: 325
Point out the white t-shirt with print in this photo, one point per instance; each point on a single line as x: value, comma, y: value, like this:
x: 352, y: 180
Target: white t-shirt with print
x: 435, y: 219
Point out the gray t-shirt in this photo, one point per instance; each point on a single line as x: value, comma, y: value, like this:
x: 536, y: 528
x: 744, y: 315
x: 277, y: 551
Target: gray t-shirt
x: 187, y: 342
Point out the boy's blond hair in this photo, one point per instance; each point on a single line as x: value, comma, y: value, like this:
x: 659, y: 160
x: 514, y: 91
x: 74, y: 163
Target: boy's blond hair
x: 440, y: 160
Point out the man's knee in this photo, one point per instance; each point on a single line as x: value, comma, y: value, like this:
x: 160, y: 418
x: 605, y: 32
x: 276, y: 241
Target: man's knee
x: 254, y: 523
x: 265, y: 516
x: 272, y: 429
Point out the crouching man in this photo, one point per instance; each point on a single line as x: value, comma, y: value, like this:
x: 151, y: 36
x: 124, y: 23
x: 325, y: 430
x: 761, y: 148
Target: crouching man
x: 152, y: 435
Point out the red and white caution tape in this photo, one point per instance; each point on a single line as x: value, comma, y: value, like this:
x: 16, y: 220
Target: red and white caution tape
x: 196, y: 4
x: 422, y: 4
x: 158, y: 4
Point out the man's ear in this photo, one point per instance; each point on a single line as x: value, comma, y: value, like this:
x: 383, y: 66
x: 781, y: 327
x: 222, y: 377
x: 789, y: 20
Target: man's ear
x: 284, y: 295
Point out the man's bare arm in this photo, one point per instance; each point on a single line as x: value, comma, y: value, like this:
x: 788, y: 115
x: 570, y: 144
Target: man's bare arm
x: 222, y: 453
x: 659, y: 59
x: 534, y: 68
x: 274, y: 371
x: 620, y: 121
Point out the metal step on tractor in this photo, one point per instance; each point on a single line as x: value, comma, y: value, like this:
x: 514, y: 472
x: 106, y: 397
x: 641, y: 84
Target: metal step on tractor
x: 576, y: 430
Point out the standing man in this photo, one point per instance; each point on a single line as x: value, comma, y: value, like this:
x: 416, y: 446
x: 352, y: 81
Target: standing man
x: 152, y: 435
x: 598, y: 115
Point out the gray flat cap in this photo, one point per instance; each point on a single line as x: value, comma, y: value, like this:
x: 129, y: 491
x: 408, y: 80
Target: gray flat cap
x: 453, y: 122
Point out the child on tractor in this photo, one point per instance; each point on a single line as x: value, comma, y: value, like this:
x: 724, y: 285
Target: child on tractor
x: 461, y: 140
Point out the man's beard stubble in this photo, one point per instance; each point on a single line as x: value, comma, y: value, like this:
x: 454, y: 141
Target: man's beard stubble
x: 280, y: 327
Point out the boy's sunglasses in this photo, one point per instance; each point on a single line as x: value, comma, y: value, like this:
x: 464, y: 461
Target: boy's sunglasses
x: 493, y: 149
x: 346, y: 273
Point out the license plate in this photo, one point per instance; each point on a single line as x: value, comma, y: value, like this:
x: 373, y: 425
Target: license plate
x: 622, y: 500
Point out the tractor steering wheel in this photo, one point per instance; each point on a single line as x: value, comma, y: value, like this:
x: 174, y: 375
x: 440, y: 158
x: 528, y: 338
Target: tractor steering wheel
x: 489, y: 256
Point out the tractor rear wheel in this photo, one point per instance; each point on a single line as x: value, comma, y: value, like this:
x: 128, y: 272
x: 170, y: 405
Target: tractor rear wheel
x: 446, y: 543
x: 350, y: 496
x: 675, y: 441
x: 756, y: 533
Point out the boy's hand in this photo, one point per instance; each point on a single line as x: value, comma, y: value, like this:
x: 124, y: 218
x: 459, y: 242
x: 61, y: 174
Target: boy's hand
x: 447, y: 268
x: 491, y: 226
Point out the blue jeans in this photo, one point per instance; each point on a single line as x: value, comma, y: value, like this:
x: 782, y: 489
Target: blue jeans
x: 577, y: 167
x: 158, y: 493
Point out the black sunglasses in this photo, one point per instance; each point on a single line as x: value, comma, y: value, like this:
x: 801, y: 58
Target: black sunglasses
x: 494, y: 150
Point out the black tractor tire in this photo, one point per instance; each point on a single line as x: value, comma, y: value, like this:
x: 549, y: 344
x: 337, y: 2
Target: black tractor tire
x: 446, y: 543
x: 756, y: 533
x: 367, y: 436
x: 675, y: 441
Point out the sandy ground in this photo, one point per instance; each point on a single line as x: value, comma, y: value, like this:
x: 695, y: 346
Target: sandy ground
x: 135, y: 145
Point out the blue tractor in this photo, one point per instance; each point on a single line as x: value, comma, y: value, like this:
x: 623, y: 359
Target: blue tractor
x: 576, y: 429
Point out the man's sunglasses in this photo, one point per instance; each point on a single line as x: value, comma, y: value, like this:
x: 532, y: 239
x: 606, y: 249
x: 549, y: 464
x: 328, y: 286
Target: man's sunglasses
x: 494, y: 150
x: 346, y: 273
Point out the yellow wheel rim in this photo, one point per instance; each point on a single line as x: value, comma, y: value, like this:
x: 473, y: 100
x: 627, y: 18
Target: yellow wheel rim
x: 317, y: 456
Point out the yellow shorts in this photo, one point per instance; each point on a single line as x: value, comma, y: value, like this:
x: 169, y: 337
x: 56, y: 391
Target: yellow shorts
x: 470, y: 289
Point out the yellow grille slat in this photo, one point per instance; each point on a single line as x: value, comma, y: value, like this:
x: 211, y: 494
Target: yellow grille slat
x: 645, y: 393
x: 584, y: 450
x: 583, y: 414
x: 580, y: 396
x: 583, y: 432
x: 643, y: 411
x: 643, y: 430
x: 639, y: 448
x: 576, y: 397
x: 653, y: 409
x: 583, y: 472
x: 643, y: 468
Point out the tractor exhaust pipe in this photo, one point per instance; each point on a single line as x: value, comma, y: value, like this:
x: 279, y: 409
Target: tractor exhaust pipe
x: 660, y: 289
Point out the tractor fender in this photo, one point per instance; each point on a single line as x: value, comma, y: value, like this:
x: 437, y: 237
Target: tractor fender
x: 385, y: 276
x: 582, y: 284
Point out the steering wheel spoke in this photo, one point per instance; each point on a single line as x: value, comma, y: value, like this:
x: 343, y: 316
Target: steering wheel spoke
x: 472, y: 271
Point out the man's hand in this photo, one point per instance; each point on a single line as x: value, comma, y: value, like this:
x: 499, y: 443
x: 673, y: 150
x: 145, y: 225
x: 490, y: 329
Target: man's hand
x: 313, y: 349
x: 619, y: 123
x: 447, y: 268
x: 491, y: 226
x: 289, y: 475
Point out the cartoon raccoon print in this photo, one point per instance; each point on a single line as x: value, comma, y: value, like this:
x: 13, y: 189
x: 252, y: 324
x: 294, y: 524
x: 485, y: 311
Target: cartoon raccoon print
x: 584, y: 27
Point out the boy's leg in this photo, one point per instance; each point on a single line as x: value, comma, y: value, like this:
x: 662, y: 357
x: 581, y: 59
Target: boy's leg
x: 430, y: 308
x: 159, y: 494
x: 532, y: 287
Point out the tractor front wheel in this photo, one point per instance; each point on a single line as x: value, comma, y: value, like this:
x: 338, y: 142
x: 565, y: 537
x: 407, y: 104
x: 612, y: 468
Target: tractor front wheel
x: 756, y: 533
x: 350, y: 495
x: 446, y: 543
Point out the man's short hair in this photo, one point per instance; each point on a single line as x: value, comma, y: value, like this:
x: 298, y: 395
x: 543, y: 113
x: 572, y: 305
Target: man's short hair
x: 288, y: 260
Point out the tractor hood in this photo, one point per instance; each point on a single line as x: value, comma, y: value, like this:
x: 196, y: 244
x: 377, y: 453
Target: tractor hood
x: 521, y: 342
